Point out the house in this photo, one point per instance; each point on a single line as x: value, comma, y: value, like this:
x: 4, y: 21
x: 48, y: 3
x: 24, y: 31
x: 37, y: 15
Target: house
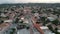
x: 46, y: 30
x: 3, y: 15
x: 58, y: 30
x: 51, y: 18
x: 44, y: 27
x: 8, y: 21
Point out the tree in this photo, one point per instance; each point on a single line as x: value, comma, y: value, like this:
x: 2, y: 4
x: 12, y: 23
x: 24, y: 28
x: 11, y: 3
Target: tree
x: 13, y: 30
x: 32, y: 11
x: 21, y: 21
x: 16, y: 20
x: 12, y: 9
x: 1, y: 21
x: 7, y: 17
x: 55, y: 22
x: 50, y: 28
x: 43, y: 18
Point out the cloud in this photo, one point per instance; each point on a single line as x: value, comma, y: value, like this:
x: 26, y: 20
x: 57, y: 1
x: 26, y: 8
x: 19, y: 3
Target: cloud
x: 27, y: 1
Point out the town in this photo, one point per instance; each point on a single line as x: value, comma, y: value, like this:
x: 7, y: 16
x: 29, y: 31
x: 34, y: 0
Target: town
x: 29, y: 19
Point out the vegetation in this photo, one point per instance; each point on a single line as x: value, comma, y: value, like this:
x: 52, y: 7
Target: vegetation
x: 53, y: 30
x: 1, y: 21
x: 13, y: 30
x: 50, y: 28
x: 33, y: 11
x: 55, y: 22
x: 16, y: 20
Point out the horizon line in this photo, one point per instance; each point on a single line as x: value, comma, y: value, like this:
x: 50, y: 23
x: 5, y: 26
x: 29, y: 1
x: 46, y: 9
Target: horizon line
x: 28, y: 3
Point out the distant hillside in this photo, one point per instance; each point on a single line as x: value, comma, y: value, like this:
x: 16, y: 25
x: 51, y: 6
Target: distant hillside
x: 32, y: 4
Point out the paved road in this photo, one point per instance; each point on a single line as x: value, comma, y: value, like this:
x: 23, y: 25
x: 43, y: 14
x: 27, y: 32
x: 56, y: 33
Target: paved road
x: 34, y: 31
x: 23, y: 31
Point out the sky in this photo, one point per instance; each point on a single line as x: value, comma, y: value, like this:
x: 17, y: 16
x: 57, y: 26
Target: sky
x: 29, y: 1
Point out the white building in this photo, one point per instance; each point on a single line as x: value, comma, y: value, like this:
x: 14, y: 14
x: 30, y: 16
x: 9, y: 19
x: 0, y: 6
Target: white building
x: 46, y: 30
x: 3, y: 15
x: 8, y: 21
x: 58, y: 30
x: 44, y: 27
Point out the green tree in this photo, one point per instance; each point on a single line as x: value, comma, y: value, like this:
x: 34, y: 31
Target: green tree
x: 13, y: 30
x: 50, y: 28
x: 16, y: 20
x: 1, y: 21
x: 55, y: 22
x: 32, y: 11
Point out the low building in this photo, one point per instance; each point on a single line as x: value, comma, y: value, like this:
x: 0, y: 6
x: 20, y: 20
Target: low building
x: 51, y: 18
x: 46, y: 30
x: 58, y: 30
x: 44, y: 27
x: 8, y: 21
x: 3, y: 15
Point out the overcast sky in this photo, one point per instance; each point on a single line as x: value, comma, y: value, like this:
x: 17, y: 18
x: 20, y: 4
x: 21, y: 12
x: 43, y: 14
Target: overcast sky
x: 29, y: 1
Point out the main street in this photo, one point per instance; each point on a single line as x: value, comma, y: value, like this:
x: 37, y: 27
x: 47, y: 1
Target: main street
x: 33, y: 30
